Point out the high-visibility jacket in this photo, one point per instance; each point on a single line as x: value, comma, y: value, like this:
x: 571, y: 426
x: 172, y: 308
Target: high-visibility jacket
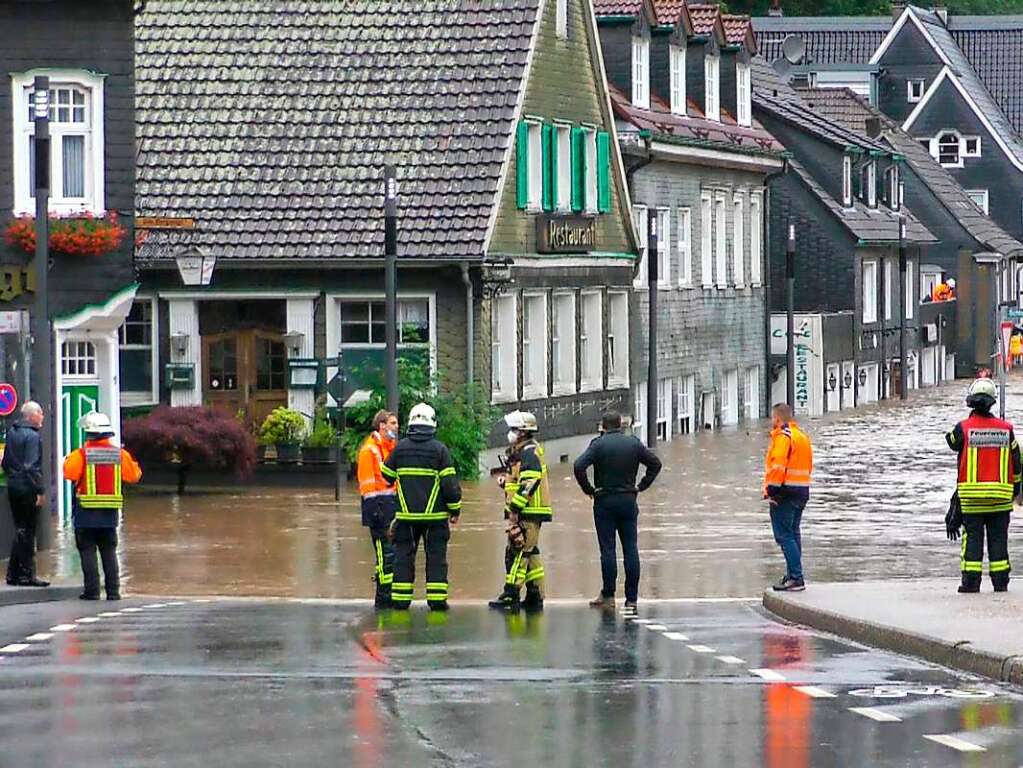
x: 98, y: 469
x: 789, y: 464
x: 989, y: 463
x: 372, y: 455
x: 1016, y: 345
x: 424, y: 476
x: 942, y: 292
x: 531, y: 494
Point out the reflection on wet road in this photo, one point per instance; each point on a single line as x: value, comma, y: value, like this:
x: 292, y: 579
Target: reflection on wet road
x: 243, y: 683
x: 882, y: 485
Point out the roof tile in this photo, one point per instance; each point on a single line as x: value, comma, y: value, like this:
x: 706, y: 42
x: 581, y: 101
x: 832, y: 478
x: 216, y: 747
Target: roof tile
x: 704, y: 18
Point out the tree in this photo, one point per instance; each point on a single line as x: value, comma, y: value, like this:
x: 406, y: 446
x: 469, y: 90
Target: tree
x: 868, y: 7
x: 191, y: 437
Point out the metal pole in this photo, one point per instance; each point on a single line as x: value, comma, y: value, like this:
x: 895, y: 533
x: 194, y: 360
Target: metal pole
x: 42, y: 345
x: 339, y: 464
x: 996, y: 269
x: 651, y: 381
x: 903, y: 368
x: 391, y: 284
x: 790, y: 317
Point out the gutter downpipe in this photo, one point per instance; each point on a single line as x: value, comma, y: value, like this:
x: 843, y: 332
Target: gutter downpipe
x: 470, y: 333
x: 766, y: 255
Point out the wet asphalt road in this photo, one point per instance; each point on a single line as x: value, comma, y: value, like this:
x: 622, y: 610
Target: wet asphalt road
x: 286, y: 683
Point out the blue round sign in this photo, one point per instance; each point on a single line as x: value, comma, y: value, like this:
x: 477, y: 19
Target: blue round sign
x: 8, y: 399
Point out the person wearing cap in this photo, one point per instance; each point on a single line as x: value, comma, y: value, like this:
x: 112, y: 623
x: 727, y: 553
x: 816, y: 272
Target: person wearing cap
x: 988, y: 479
x: 527, y: 508
x: 98, y: 470
x: 429, y: 503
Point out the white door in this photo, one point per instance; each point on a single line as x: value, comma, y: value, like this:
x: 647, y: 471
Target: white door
x: 868, y: 384
x: 707, y: 416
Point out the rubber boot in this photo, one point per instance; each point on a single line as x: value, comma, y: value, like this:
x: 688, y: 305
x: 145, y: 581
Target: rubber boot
x: 437, y: 605
x: 970, y: 584
x: 1000, y: 581
x: 507, y: 601
x: 534, y: 600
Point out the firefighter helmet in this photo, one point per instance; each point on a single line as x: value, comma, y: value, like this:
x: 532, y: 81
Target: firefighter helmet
x: 96, y: 423
x: 522, y: 421
x: 982, y: 393
x: 422, y: 415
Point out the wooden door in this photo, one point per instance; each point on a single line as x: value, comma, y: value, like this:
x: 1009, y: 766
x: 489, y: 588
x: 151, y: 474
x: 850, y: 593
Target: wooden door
x: 223, y: 364
x: 245, y: 371
x: 268, y: 374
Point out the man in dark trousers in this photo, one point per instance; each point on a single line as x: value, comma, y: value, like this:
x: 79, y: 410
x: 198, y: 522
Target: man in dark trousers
x: 23, y: 465
x: 615, y: 458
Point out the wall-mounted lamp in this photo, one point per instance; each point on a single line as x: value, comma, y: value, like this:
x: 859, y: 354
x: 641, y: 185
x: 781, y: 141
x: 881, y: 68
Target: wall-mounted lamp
x: 863, y: 377
x: 832, y: 382
x: 293, y: 342
x: 179, y: 344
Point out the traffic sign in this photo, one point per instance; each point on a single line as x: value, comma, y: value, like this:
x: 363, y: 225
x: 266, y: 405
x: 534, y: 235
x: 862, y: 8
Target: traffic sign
x: 1006, y: 338
x: 336, y: 387
x: 8, y: 399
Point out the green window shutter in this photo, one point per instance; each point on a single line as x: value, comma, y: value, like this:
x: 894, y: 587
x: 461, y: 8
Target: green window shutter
x: 603, y: 172
x: 578, y: 169
x: 546, y: 141
x: 522, y: 165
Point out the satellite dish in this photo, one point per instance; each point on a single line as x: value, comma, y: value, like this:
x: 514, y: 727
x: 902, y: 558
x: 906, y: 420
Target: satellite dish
x: 793, y: 48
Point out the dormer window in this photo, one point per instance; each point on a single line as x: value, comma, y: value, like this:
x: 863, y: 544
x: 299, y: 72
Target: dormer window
x: 847, y: 181
x: 743, y: 96
x: 870, y: 184
x: 894, y: 187
x: 641, y: 71
x: 678, y: 79
x: 949, y: 148
x: 712, y: 86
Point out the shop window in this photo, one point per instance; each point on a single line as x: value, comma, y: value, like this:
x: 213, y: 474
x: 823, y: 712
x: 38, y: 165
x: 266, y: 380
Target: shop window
x: 222, y: 371
x: 686, y: 405
x: 563, y: 340
x: 534, y: 346
x: 137, y: 353
x: 78, y: 359
x: 504, y: 343
x: 678, y: 79
x: 590, y: 333
x: 618, y: 339
x: 271, y: 365
x: 685, y: 246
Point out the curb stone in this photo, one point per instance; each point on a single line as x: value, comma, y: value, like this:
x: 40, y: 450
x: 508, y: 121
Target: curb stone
x: 28, y: 595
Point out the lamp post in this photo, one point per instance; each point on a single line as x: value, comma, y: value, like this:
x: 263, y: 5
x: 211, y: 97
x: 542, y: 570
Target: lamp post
x: 903, y: 369
x: 42, y: 332
x: 651, y: 381
x: 790, y: 317
x: 391, y: 284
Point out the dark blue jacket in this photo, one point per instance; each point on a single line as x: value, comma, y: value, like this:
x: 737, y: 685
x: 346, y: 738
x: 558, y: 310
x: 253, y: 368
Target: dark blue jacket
x: 23, y: 459
x: 615, y: 458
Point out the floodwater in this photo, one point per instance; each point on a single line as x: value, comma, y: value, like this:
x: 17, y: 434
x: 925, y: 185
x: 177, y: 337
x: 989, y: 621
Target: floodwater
x: 881, y: 488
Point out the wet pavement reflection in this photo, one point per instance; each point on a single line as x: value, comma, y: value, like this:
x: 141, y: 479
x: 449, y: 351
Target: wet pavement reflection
x: 240, y: 683
x: 882, y: 485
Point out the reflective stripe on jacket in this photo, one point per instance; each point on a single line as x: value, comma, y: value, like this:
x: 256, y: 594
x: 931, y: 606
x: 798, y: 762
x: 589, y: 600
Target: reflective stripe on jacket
x: 989, y: 463
x: 789, y: 462
x: 98, y: 469
x: 372, y: 455
x: 531, y: 497
x: 423, y: 473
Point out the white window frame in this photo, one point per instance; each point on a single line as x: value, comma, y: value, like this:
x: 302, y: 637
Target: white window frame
x: 590, y: 147
x: 730, y: 398
x: 894, y: 187
x: 564, y: 331
x: 706, y: 240
x: 721, y: 239
x: 756, y: 239
x: 663, y: 426
x: 618, y: 331
x: 563, y: 136
x: 965, y: 146
x: 685, y: 246
x: 979, y: 198
x: 914, y: 90
x: 639, y: 221
x: 504, y: 342
x: 77, y: 353
x: 677, y: 74
x: 23, y: 129
x: 738, y: 239
x: 889, y: 278
x: 712, y: 87
x: 534, y: 350
x: 686, y: 389
x: 961, y: 154
x: 591, y: 340
x: 641, y: 71
x: 909, y: 296
x: 871, y: 191
x: 534, y: 195
x: 664, y: 247
x: 561, y: 19
x: 151, y: 396
x: 847, y: 195
x: 751, y: 393
x: 639, y: 410
x: 744, y: 94
x: 869, y: 290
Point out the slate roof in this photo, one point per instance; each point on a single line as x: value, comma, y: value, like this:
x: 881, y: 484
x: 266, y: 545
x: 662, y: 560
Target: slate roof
x: 829, y: 39
x: 694, y: 129
x: 269, y: 123
x: 797, y: 113
x: 853, y: 112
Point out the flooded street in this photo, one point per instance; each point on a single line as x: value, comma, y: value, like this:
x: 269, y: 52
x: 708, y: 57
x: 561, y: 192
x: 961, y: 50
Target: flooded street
x: 882, y: 482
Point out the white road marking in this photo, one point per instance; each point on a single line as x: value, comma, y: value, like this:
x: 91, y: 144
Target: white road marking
x: 639, y: 621
x: 876, y: 714
x: 110, y: 614
x: 14, y: 648
x: 656, y: 627
x: 731, y: 659
x: 952, y: 741
x: 202, y: 601
x: 131, y: 610
x: 701, y: 649
x: 87, y: 620
x: 675, y: 636
x: 814, y: 692
x: 62, y: 628
x: 176, y: 603
x: 155, y: 605
x: 768, y: 674
x: 39, y: 637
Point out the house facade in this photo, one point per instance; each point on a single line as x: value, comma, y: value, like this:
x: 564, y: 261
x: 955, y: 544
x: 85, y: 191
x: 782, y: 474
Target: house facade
x: 698, y: 161
x: 515, y: 247
x: 87, y: 54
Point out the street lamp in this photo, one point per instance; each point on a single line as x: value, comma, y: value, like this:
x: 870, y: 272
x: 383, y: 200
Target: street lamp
x: 862, y: 376
x: 995, y: 262
x: 832, y: 382
x: 195, y: 266
x: 847, y: 380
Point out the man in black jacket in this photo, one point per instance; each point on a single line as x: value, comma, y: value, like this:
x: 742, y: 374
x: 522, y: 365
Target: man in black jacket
x: 429, y: 502
x: 616, y: 458
x: 23, y: 465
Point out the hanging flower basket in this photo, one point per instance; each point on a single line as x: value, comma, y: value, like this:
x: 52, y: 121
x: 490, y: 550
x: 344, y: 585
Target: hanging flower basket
x: 78, y: 235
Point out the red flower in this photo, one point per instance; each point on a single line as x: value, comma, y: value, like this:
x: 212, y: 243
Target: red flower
x: 77, y: 235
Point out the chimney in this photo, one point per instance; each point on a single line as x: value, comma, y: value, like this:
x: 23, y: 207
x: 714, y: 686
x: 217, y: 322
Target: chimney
x: 898, y: 6
x: 942, y: 13
x: 775, y: 9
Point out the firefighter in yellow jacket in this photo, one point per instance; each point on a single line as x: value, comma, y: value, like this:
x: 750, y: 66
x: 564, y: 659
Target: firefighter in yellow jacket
x: 527, y: 507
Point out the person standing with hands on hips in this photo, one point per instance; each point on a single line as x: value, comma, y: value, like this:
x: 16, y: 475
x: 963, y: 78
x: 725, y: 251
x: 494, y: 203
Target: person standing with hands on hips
x: 787, y: 472
x: 615, y: 458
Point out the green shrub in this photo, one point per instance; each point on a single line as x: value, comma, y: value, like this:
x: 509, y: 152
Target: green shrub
x: 322, y: 434
x: 283, y: 426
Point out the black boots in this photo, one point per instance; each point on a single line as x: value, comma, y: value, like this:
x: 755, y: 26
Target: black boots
x: 970, y: 584
x: 1000, y: 581
x: 534, y: 600
x: 507, y: 601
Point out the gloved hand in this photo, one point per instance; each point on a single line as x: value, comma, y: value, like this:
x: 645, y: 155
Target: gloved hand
x: 954, y: 518
x: 516, y: 535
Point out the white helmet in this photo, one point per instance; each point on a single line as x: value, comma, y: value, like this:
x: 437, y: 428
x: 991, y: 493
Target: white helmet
x: 422, y: 415
x: 96, y: 423
x: 521, y: 420
x: 982, y: 387
x: 951, y: 282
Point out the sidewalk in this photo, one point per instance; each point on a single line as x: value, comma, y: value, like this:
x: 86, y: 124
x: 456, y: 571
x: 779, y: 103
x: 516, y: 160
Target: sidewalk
x: 974, y: 633
x: 23, y: 595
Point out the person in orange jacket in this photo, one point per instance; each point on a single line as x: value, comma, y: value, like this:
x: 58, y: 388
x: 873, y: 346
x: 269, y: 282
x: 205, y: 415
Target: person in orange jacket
x: 787, y: 473
x: 98, y: 469
x: 379, y: 502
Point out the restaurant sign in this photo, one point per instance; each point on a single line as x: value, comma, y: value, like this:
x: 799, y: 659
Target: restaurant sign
x: 566, y: 234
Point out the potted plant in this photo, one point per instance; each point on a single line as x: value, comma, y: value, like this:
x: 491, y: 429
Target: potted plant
x: 321, y: 445
x: 284, y: 429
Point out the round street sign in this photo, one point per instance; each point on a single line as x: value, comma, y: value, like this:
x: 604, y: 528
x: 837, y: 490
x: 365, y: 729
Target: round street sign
x: 8, y: 399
